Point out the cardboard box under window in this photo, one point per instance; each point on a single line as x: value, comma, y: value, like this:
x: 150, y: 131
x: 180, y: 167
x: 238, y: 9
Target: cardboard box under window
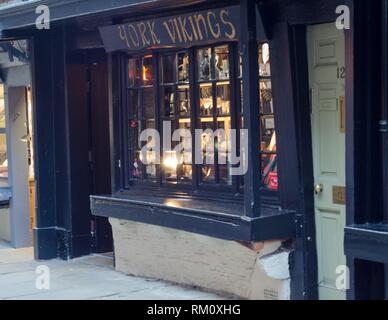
x: 225, y: 267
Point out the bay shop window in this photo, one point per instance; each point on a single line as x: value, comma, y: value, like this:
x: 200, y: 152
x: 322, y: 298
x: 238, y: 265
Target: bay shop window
x: 187, y: 90
x: 182, y: 128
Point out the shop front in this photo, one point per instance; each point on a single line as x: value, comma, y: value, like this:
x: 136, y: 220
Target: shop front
x: 210, y: 110
x: 230, y: 144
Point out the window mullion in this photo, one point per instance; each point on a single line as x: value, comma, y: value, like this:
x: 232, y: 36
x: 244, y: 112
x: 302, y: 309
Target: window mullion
x: 222, y: 110
x: 158, y: 124
x: 194, y: 114
x: 215, y: 127
x: 176, y: 124
x: 215, y: 123
x: 251, y: 102
x: 234, y: 113
x: 124, y: 123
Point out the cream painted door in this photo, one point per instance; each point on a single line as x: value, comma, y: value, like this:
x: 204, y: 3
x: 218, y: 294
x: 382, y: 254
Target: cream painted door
x: 326, y: 50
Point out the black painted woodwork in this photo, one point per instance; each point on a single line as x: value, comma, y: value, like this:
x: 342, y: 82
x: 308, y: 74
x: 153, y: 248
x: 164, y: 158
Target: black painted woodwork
x: 49, y: 131
x: 304, y: 266
x: 365, y: 234
x: 292, y: 97
x: 87, y: 87
x: 63, y: 214
x: 284, y: 23
x: 22, y: 17
x: 367, y: 242
x: 99, y: 145
x: 251, y: 101
x: 204, y: 216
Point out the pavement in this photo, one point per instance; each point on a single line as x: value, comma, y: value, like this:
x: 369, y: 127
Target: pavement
x: 4, y: 245
x: 88, y: 278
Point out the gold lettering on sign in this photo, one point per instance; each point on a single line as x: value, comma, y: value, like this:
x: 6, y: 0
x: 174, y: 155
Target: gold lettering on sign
x: 232, y: 34
x: 216, y: 34
x: 177, y: 29
x: 186, y: 35
x: 199, y: 19
x: 142, y: 29
x: 151, y: 27
x: 190, y: 18
x: 215, y: 24
x: 171, y: 32
x: 133, y: 32
x: 123, y: 35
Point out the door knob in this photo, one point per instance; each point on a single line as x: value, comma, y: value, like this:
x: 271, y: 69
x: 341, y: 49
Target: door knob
x: 318, y: 189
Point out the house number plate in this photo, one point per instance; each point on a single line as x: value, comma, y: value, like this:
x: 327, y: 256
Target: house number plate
x: 339, y: 195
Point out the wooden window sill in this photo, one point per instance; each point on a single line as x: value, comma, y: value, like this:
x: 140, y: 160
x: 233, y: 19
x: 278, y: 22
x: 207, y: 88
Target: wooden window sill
x: 219, y: 219
x: 367, y: 242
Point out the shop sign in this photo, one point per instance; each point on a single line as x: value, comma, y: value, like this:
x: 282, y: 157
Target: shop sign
x: 202, y: 27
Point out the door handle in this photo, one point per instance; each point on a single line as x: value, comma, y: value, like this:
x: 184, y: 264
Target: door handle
x: 318, y: 188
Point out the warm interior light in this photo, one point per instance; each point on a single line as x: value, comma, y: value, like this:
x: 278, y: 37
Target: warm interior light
x: 272, y: 145
x: 145, y: 71
x: 265, y: 53
x: 149, y: 157
x: 170, y: 161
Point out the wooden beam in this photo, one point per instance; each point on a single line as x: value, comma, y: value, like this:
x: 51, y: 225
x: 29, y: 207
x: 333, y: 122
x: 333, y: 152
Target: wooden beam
x: 46, y: 245
x: 251, y: 102
x: 384, y: 109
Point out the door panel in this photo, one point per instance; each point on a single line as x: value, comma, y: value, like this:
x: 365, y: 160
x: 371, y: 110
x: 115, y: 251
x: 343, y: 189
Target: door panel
x: 327, y: 84
x: 90, y: 151
x: 100, y: 140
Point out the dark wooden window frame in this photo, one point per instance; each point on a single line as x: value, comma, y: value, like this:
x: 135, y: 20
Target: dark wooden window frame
x: 126, y: 146
x: 194, y: 187
x: 231, y: 216
x: 236, y: 189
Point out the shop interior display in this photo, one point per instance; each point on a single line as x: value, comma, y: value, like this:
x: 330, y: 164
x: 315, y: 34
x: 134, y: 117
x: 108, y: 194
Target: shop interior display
x: 213, y: 109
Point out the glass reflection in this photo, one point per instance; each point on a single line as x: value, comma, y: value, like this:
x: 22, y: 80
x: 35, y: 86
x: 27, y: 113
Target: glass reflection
x: 206, y: 99
x: 264, y: 62
x: 183, y: 67
x: 266, y: 97
x: 223, y: 98
x: 133, y: 72
x: 168, y: 69
x: 147, y: 71
x: 203, y: 62
x: 148, y: 102
x: 222, y: 62
x: 168, y: 103
x: 223, y: 149
x: 133, y: 99
x: 176, y: 106
x: 184, y: 101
